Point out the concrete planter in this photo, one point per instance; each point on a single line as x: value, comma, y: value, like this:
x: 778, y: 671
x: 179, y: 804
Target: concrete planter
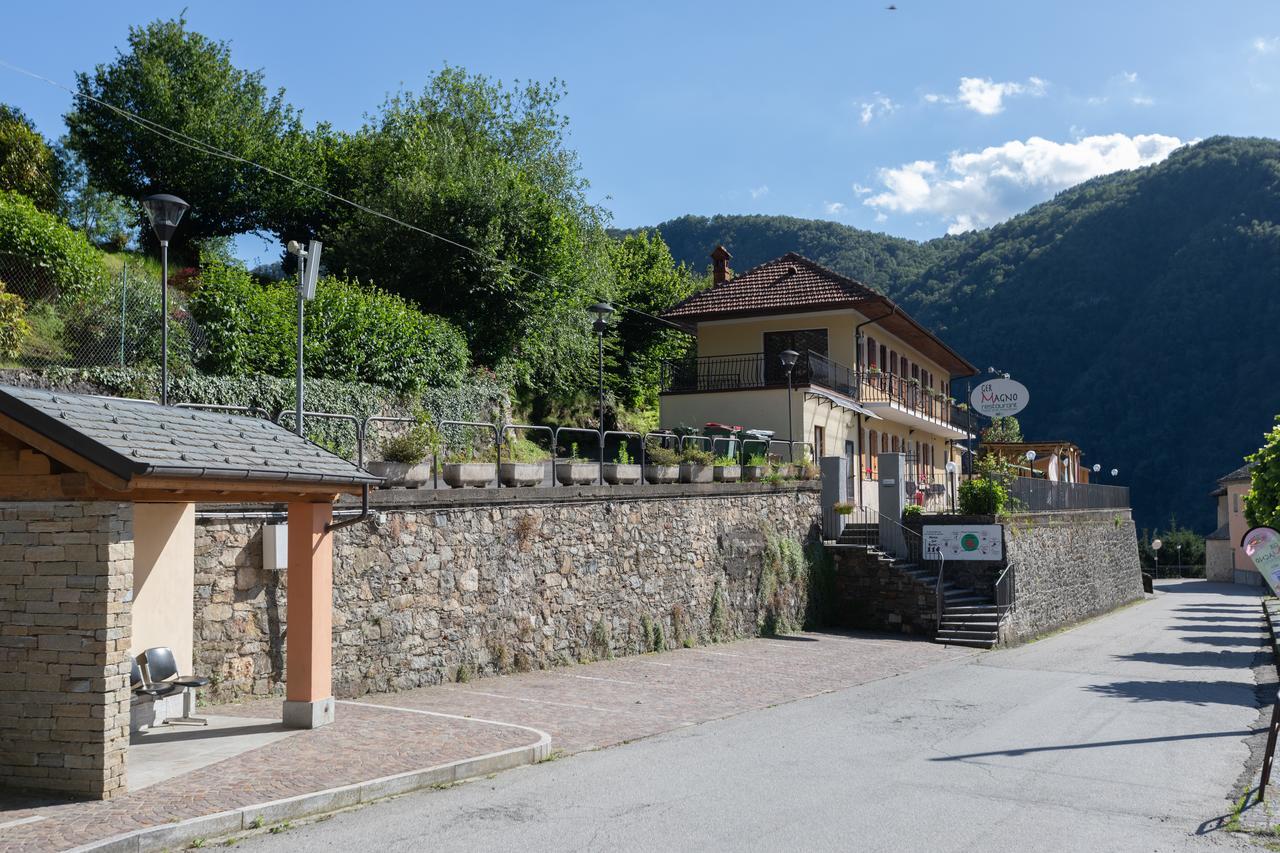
x: 657, y: 474
x: 728, y: 473
x: 402, y: 475
x: 459, y: 475
x: 690, y: 473
x: 617, y: 474
x: 577, y: 473
x: 788, y: 472
x: 754, y: 473
x: 522, y: 473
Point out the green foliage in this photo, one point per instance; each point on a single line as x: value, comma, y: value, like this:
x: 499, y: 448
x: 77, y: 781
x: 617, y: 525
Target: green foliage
x: 656, y: 454
x: 1262, y: 503
x: 27, y: 164
x: 185, y: 81
x: 912, y: 511
x: 757, y: 460
x: 106, y: 219
x: 982, y: 496
x: 524, y: 450
x: 647, y: 279
x: 413, y: 445
x: 487, y: 167
x: 51, y: 259
x: 1003, y: 430
x: 353, y: 332
x: 1190, y: 555
x: 14, y: 328
x: 843, y: 508
x: 623, y: 456
x: 725, y: 461
x: 692, y: 454
x: 719, y: 615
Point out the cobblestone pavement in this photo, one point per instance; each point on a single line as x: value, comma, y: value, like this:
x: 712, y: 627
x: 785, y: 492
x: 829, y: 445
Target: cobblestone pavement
x: 582, y: 707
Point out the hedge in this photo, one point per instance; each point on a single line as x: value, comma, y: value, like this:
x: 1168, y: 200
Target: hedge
x: 42, y: 256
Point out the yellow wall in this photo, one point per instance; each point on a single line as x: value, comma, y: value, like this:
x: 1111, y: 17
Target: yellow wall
x: 1238, y: 525
x: 734, y: 337
x: 164, y: 578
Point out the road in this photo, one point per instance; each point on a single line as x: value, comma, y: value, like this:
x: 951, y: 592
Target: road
x: 1126, y: 733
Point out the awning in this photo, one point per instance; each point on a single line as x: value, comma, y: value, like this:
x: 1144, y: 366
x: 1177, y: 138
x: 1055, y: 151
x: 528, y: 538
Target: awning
x: 839, y: 401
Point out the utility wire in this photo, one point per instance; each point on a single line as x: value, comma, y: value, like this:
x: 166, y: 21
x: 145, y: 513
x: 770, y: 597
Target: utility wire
x: 212, y: 150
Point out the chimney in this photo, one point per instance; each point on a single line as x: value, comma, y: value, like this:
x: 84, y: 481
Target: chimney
x: 720, y: 271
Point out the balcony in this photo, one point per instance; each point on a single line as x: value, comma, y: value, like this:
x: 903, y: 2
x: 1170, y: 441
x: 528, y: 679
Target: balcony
x: 894, y: 398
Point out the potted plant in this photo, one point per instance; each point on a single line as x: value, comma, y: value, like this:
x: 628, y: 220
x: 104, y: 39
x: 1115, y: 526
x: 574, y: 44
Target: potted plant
x: 406, y: 458
x: 575, y: 470
x: 661, y: 464
x: 844, y: 510
x: 695, y: 465
x: 468, y: 467
x: 525, y: 465
x: 756, y: 469
x: 806, y: 470
x: 624, y: 471
x: 726, y: 469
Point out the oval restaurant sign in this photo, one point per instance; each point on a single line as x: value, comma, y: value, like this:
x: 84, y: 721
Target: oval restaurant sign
x: 1262, y: 544
x: 999, y: 398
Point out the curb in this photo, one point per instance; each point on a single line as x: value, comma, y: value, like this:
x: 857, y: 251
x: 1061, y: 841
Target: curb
x: 169, y: 835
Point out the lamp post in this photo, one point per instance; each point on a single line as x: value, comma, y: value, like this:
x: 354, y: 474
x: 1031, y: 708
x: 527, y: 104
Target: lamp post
x: 164, y: 212
x: 1031, y: 464
x: 789, y: 357
x: 1097, y: 469
x: 951, y: 477
x: 602, y: 310
x: 1179, y: 550
x: 1156, y: 544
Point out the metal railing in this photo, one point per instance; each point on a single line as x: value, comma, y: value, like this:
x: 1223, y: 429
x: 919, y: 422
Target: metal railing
x: 1005, y: 590
x: 1046, y: 496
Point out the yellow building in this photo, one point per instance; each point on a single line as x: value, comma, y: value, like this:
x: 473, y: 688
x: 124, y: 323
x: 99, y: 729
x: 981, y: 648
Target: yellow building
x: 867, y: 378
x: 1224, y: 558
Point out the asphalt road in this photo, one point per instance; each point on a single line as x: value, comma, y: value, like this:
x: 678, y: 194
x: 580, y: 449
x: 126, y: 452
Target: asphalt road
x: 1127, y: 733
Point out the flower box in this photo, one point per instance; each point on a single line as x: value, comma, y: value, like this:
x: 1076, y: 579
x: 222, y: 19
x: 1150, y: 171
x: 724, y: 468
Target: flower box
x: 662, y: 473
x: 754, y: 473
x: 577, y: 473
x: 693, y: 473
x: 460, y: 475
x: 522, y: 473
x: 401, y: 475
x: 619, y: 474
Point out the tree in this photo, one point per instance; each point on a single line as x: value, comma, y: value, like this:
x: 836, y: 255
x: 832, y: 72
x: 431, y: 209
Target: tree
x: 27, y: 164
x: 1262, y: 504
x: 647, y: 279
x: 1002, y: 430
x: 484, y: 167
x: 187, y: 82
x: 107, y: 219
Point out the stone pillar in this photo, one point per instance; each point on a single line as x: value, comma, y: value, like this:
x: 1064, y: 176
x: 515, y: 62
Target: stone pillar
x: 309, y: 641
x: 893, y: 497
x: 835, y: 489
x: 66, y: 574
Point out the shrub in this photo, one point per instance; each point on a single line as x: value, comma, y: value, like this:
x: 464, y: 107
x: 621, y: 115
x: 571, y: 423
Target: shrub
x: 757, y: 460
x: 912, y: 511
x: 694, y: 455
x: 843, y: 508
x: 411, y: 447
x: 725, y: 461
x: 14, y: 328
x: 656, y: 454
x: 524, y: 450
x: 982, y: 496
x: 354, y: 332
x: 55, y: 260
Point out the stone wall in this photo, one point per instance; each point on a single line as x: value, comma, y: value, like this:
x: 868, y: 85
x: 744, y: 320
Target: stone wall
x: 66, y: 571
x: 447, y: 586
x: 1070, y: 566
x: 872, y: 595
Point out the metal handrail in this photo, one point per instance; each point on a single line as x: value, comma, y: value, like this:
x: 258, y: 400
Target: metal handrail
x: 1006, y: 590
x: 637, y: 436
x: 710, y: 446
x: 527, y: 427
x: 372, y: 419
x: 333, y: 416
x: 940, y: 597
x: 813, y: 451
x: 435, y: 451
x: 664, y: 435
x: 555, y: 450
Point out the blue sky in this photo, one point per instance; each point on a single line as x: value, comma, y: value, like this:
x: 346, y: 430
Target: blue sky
x: 935, y: 117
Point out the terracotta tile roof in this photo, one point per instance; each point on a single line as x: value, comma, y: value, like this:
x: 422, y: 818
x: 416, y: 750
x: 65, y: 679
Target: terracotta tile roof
x: 786, y: 284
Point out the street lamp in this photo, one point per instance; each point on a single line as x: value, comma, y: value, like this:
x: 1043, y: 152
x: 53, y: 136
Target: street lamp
x: 1031, y: 464
x: 789, y: 357
x: 164, y: 212
x: 1156, y: 544
x: 1179, y: 549
x: 1097, y: 469
x: 951, y: 476
x: 1115, y: 471
x: 602, y: 310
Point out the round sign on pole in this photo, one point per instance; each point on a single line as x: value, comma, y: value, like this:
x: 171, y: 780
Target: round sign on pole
x: 999, y: 398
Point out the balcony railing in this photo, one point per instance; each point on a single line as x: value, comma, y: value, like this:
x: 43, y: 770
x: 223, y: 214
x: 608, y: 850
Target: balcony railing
x: 748, y: 371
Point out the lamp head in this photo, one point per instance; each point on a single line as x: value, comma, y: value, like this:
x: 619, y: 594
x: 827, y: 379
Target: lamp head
x: 164, y: 212
x: 951, y: 467
x: 1031, y: 456
x: 1096, y: 467
x: 1115, y: 471
x: 1156, y: 544
x: 789, y: 357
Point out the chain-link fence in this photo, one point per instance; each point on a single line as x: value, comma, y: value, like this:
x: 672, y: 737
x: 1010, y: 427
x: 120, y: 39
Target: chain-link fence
x: 115, y: 322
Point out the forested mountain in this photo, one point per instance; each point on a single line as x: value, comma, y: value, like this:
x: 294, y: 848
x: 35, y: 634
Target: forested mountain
x: 1139, y: 308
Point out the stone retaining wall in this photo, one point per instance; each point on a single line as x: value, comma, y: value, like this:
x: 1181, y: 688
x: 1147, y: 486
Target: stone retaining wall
x: 66, y: 570
x: 448, y: 586
x: 1070, y: 566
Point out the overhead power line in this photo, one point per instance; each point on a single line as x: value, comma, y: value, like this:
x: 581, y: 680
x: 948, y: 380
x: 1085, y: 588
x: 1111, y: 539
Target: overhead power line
x: 212, y: 150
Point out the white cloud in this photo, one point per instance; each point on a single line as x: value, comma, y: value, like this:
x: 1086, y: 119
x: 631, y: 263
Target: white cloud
x: 1142, y: 100
x: 760, y: 191
x: 1266, y: 45
x: 877, y: 105
x: 977, y: 189
x: 859, y: 189
x: 986, y: 97
x: 833, y: 208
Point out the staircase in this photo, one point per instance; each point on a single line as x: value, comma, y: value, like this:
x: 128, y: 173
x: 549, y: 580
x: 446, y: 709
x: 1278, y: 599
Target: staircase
x: 968, y: 619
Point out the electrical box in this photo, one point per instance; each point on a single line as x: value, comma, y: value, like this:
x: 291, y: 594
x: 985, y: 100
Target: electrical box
x: 275, y: 547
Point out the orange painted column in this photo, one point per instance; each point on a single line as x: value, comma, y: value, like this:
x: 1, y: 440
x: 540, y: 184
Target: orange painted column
x: 309, y: 638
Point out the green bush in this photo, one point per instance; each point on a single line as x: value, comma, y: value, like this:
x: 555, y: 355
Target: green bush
x: 912, y: 511
x: 524, y: 450
x: 354, y: 332
x: 656, y: 454
x: 48, y: 258
x: 694, y: 455
x: 14, y: 328
x: 981, y: 496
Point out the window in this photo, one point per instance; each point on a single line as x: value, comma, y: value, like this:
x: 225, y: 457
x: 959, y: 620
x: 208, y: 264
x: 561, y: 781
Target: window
x: 884, y: 442
x: 893, y: 362
x: 819, y: 443
x: 873, y: 445
x: 894, y: 444
x: 871, y: 352
x: 802, y: 341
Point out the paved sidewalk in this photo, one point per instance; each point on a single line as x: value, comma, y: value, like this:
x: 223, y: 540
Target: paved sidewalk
x: 581, y: 707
